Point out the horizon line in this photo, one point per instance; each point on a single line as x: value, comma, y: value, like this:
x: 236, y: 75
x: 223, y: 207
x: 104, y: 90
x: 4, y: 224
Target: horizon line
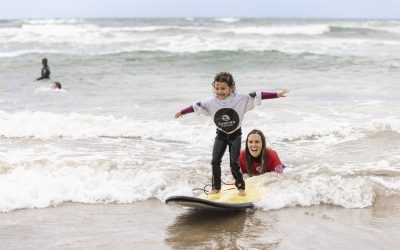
x: 205, y: 17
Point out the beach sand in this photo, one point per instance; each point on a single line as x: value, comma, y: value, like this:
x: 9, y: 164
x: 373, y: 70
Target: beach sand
x: 154, y: 225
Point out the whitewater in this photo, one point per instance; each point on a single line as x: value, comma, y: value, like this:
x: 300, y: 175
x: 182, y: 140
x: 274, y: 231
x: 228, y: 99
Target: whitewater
x: 110, y: 136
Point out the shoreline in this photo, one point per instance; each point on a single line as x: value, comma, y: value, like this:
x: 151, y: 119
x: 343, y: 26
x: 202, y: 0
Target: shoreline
x: 153, y: 225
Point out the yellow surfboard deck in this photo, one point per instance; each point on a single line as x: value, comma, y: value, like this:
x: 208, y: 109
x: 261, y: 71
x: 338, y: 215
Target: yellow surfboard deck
x: 229, y: 194
x: 227, y: 199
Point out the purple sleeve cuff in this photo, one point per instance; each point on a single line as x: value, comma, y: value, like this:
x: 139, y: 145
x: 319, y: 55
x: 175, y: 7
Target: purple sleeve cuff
x: 268, y: 95
x: 187, y: 110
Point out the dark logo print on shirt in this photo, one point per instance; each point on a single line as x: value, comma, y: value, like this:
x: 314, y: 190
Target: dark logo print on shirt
x: 226, y: 119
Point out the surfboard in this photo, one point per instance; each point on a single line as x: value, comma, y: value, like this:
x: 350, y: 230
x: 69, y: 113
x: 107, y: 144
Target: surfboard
x: 195, y: 202
x: 227, y: 199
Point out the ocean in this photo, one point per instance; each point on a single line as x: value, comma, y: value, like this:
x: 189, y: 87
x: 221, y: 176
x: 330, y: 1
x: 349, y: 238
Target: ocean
x: 110, y: 136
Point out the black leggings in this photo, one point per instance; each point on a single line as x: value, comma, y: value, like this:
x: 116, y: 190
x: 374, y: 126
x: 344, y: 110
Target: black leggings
x: 234, y: 141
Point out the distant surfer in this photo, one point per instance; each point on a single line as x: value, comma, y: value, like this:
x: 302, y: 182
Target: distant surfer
x: 228, y: 109
x: 56, y: 85
x: 257, y: 158
x: 45, y: 74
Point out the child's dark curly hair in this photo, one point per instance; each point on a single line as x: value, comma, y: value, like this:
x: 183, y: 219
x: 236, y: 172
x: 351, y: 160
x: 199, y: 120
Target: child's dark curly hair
x: 226, y: 78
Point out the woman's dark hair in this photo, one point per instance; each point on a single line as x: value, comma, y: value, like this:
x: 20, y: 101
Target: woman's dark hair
x: 226, y: 78
x: 263, y: 153
x: 44, y: 61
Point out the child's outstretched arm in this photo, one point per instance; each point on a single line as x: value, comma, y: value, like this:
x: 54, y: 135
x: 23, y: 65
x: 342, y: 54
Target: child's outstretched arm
x: 184, y: 111
x: 270, y: 95
x: 178, y: 114
x: 282, y: 93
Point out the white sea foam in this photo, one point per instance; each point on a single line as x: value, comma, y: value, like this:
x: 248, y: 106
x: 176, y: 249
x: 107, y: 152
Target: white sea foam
x: 391, y: 123
x: 49, y: 125
x: 48, y: 89
x: 36, y: 188
x: 293, y: 190
x: 75, y: 125
x: 389, y: 183
x: 54, y: 21
x: 314, y: 29
x: 227, y: 19
x: 349, y: 185
x: 89, y: 38
x: 29, y: 179
x: 27, y: 51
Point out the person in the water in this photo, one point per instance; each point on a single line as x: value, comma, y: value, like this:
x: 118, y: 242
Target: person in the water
x: 56, y: 85
x: 257, y: 158
x: 45, y: 70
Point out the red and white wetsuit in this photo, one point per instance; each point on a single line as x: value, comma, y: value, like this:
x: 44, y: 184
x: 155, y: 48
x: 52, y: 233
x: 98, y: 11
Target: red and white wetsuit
x: 272, y: 163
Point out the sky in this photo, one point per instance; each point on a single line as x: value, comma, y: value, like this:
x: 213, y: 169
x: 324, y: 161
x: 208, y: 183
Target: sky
x: 380, y: 9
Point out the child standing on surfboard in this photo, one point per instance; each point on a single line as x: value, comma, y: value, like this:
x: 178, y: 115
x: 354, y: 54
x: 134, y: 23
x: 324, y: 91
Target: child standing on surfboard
x: 228, y: 109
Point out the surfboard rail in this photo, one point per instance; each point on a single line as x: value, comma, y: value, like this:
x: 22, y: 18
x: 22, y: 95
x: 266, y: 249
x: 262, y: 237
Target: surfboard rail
x: 194, y: 202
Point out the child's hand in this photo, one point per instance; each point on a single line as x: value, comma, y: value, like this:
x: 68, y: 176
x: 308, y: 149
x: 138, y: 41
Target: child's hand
x: 282, y: 93
x: 179, y: 114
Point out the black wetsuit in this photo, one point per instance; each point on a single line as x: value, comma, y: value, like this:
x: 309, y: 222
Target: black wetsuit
x: 45, y: 73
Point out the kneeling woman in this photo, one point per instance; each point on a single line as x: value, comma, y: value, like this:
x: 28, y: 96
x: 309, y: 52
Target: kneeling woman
x: 257, y: 159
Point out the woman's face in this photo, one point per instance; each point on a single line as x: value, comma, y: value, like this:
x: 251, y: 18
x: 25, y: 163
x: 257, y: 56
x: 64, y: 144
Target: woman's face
x: 254, y: 143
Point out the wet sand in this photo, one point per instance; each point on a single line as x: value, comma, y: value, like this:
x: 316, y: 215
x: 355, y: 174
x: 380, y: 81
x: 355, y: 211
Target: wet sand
x: 153, y: 225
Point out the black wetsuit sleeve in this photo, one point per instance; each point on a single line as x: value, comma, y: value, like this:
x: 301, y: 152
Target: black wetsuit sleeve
x: 45, y: 73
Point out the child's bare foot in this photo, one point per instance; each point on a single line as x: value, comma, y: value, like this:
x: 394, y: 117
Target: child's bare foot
x: 214, y: 191
x: 241, y: 192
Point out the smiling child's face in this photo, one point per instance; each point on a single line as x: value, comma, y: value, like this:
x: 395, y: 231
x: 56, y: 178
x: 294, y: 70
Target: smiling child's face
x: 222, y: 90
